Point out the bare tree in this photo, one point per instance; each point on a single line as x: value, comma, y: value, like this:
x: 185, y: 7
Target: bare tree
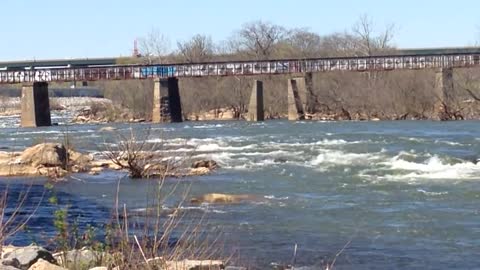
x: 198, y: 49
x: 155, y: 46
x: 371, y: 43
x: 305, y: 44
x: 259, y: 38
x: 340, y: 44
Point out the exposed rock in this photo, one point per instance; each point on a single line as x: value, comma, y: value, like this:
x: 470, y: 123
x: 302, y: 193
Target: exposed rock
x: 24, y: 257
x: 95, y: 170
x: 216, y: 114
x: 7, y: 267
x: 52, y: 172
x: 8, y: 157
x: 79, y: 159
x: 199, y: 171
x: 46, y: 159
x: 109, y: 129
x: 45, y: 265
x: 158, y: 169
x: 202, y: 167
x: 105, y: 163
x: 187, y: 264
x: 53, y: 161
x: 17, y: 170
x: 99, y: 268
x: 76, y: 169
x: 137, y: 120
x: 195, y: 265
x: 84, y: 257
x: 224, y: 198
x: 280, y: 160
x: 209, y: 164
x: 6, y: 250
x: 45, y: 154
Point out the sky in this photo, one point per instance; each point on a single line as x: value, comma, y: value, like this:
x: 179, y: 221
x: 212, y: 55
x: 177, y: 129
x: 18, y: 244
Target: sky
x: 46, y: 29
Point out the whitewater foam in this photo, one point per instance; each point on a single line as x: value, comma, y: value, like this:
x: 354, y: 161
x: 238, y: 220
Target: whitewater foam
x: 431, y: 193
x: 434, y: 167
x: 335, y: 157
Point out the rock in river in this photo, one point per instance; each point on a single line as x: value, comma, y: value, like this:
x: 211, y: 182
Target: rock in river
x: 224, y: 198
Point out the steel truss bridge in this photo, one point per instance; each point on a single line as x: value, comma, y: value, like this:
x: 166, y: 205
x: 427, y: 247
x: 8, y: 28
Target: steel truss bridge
x: 99, y: 71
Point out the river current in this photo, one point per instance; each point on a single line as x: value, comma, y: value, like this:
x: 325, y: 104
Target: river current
x: 396, y: 195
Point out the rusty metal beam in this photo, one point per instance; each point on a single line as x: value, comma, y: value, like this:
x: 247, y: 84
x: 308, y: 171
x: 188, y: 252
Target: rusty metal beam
x: 242, y: 68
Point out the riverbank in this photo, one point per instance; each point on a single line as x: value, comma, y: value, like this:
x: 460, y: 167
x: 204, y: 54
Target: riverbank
x: 88, y: 110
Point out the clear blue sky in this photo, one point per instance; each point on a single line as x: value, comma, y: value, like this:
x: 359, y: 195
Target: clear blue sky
x: 99, y: 28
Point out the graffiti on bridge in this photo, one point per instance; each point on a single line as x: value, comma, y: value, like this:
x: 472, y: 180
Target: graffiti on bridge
x: 271, y: 67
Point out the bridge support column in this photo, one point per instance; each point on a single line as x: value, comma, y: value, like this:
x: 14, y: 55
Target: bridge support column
x: 443, y: 91
x: 167, y: 107
x: 299, y: 97
x: 255, y: 108
x: 35, y: 105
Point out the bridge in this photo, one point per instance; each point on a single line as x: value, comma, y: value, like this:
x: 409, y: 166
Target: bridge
x: 35, y: 75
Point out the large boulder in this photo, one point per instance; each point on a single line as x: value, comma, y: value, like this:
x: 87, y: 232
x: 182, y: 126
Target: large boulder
x: 44, y: 265
x: 24, y: 257
x: 45, y: 154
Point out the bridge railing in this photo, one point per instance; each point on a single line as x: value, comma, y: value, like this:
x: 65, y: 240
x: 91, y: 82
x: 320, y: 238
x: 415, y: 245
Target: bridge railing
x: 241, y: 68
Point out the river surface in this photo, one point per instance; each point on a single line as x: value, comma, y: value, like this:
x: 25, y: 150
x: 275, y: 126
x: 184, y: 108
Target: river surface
x: 396, y: 195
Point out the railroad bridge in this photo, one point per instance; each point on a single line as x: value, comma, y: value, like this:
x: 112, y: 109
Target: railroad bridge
x: 35, y: 76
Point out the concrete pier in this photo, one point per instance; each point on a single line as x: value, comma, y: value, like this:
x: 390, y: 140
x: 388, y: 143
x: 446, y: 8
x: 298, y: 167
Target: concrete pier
x: 255, y: 108
x: 167, y: 107
x: 296, y: 89
x: 443, y: 89
x: 309, y: 102
x: 300, y: 97
x: 35, y: 105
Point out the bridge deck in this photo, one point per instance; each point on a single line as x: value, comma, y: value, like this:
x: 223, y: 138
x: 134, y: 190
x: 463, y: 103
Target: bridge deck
x: 242, y: 68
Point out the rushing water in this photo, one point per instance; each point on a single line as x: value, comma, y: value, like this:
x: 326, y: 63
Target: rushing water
x: 401, y: 195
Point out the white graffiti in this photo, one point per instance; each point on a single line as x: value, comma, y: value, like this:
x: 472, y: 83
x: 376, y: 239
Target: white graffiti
x: 271, y: 67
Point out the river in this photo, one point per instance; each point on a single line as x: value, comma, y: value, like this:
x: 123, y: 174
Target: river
x: 396, y: 195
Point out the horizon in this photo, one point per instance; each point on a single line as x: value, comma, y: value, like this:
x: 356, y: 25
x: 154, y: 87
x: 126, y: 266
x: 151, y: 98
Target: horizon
x: 88, y: 29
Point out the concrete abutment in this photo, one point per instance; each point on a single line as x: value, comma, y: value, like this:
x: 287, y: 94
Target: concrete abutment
x: 35, y: 105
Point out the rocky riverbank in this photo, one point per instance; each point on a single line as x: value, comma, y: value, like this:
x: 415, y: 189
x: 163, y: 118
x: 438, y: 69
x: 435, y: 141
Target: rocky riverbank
x: 100, y: 110
x: 38, y: 258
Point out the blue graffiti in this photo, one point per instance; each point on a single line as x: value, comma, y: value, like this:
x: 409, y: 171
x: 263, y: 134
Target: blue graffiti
x: 161, y: 71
